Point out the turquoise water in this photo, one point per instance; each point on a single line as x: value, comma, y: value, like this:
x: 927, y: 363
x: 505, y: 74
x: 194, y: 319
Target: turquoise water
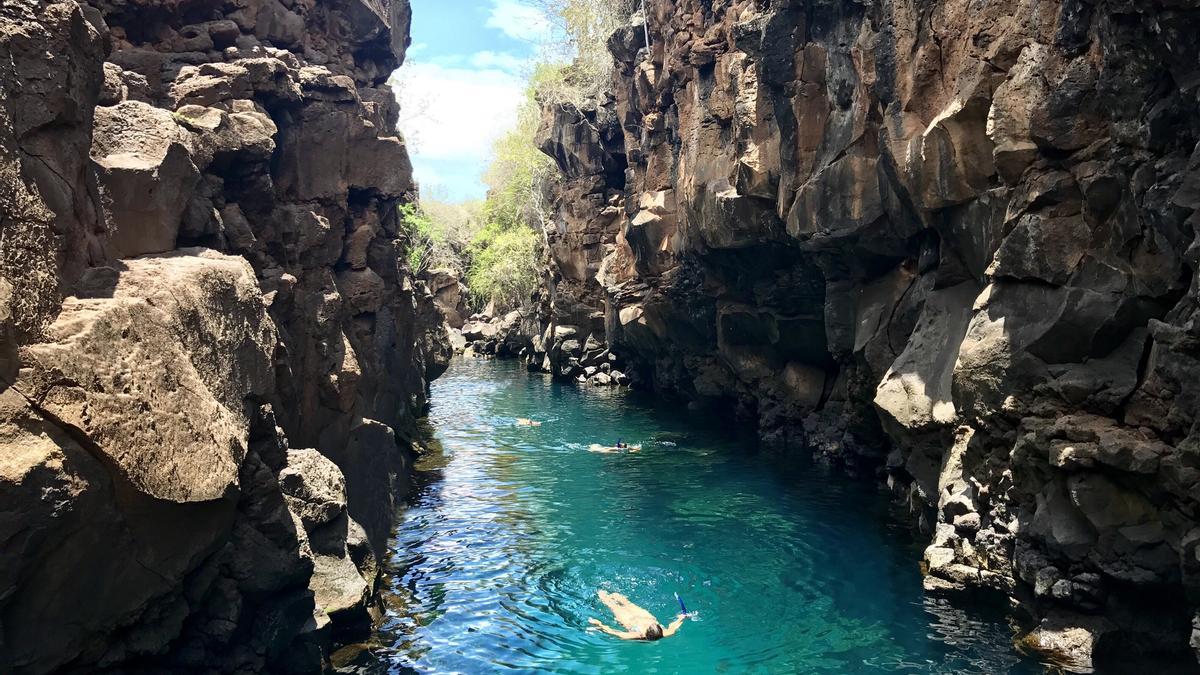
x: 511, y: 530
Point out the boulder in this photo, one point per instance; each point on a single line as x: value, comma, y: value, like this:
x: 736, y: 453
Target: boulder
x: 245, y: 134
x: 339, y: 589
x: 146, y: 375
x: 364, y: 290
x: 142, y: 378
x: 916, y: 390
x: 351, y: 150
x: 125, y: 555
x: 450, y: 295
x: 211, y: 83
x: 474, y: 331
x: 314, y: 488
x: 146, y: 175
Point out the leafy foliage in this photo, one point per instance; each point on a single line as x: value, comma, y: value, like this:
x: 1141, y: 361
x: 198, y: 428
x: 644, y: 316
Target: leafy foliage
x: 505, y: 266
x: 584, y: 27
x: 439, y: 235
x: 421, y: 236
x: 506, y: 253
x: 497, y: 245
x: 519, y: 173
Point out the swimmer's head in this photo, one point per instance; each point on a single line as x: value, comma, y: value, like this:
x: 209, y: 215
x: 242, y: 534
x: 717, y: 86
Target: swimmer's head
x: 654, y: 632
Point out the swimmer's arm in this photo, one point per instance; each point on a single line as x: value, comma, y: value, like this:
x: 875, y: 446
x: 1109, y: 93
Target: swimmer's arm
x: 671, y: 629
x: 613, y: 631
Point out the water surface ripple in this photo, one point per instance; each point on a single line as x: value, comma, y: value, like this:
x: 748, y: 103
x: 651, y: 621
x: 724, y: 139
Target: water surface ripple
x: 510, y: 531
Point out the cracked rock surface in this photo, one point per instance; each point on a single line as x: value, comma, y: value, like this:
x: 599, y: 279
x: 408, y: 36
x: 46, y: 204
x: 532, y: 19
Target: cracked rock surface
x: 200, y: 270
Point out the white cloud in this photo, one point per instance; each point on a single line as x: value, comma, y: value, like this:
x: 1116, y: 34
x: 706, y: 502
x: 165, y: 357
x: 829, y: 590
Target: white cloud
x: 501, y: 60
x: 415, y: 49
x: 520, y: 21
x: 448, y: 60
x: 451, y: 114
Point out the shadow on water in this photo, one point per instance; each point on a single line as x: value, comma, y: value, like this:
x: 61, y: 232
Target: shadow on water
x: 509, y: 531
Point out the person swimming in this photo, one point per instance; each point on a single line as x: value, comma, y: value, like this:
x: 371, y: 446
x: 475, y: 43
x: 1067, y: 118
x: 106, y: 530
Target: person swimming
x: 524, y: 422
x: 639, y: 624
x: 621, y: 446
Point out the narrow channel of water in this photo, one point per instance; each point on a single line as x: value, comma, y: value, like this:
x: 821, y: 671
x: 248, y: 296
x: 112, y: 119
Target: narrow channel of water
x: 511, y: 530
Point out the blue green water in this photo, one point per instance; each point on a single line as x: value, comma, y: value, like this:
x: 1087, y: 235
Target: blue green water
x: 511, y: 530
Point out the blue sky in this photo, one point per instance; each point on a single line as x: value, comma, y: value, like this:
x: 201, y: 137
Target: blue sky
x: 461, y: 84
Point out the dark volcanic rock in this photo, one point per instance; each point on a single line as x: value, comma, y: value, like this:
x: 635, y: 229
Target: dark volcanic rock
x: 200, y: 264
x: 954, y: 242
x: 587, y: 144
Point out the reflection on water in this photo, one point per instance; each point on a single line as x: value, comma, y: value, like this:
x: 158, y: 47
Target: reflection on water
x: 511, y: 530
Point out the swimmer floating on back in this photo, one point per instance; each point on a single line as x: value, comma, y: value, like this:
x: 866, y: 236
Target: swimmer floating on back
x: 619, y: 447
x: 524, y: 422
x: 639, y: 624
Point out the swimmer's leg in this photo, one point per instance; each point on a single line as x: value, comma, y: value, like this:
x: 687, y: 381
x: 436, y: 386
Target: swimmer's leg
x: 607, y: 598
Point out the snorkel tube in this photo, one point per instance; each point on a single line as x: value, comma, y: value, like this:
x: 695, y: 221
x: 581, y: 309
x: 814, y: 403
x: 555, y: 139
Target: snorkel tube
x: 682, y: 607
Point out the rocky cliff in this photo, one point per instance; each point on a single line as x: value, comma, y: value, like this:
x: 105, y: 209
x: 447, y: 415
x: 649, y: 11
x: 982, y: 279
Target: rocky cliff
x: 953, y: 241
x: 581, y: 251
x: 200, y: 273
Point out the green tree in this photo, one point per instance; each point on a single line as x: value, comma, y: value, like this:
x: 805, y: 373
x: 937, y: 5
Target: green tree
x: 440, y: 235
x: 519, y: 173
x: 506, y: 253
x: 505, y: 266
x: 421, y: 237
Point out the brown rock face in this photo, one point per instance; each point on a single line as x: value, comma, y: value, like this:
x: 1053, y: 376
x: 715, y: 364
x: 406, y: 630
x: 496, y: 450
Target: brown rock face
x: 587, y: 145
x: 450, y: 295
x: 949, y: 240
x: 181, y: 339
x: 200, y: 264
x: 146, y: 176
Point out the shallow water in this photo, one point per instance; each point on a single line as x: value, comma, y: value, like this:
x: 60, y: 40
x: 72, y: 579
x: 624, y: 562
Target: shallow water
x: 511, y: 530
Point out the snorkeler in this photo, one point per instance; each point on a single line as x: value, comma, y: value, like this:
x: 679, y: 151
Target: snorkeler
x: 639, y: 624
x: 621, y: 446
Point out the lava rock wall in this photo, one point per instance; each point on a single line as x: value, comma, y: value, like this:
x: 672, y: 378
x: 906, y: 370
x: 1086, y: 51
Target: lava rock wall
x: 201, y: 271
x: 568, y: 337
x: 952, y: 241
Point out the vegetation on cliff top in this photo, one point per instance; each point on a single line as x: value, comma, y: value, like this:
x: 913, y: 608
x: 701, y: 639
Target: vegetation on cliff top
x: 496, y: 246
x: 440, y: 234
x: 578, y: 65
